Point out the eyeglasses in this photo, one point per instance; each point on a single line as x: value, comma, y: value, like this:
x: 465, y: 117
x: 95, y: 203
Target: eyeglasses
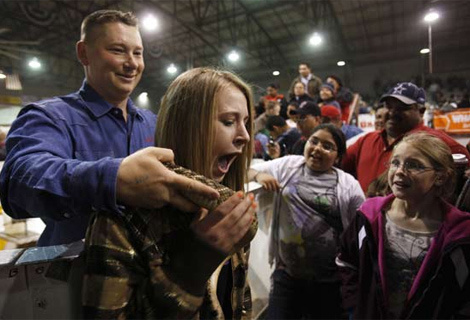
x: 324, y: 145
x: 409, y: 166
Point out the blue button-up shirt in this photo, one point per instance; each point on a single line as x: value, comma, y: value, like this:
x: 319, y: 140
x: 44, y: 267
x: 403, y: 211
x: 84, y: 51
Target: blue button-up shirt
x: 63, y: 158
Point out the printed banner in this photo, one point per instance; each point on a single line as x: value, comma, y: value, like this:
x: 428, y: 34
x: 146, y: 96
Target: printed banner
x: 453, y: 122
x: 366, y: 122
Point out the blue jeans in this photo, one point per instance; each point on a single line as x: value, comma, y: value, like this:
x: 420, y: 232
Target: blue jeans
x: 292, y: 298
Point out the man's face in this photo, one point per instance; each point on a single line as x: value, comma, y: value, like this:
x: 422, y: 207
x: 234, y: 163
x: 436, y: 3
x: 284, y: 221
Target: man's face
x: 306, y: 124
x: 304, y: 71
x: 400, y: 118
x: 380, y: 118
x: 271, y: 91
x: 275, y: 132
x: 113, y: 61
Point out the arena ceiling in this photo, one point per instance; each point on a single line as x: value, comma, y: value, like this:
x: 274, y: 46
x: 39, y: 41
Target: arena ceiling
x: 269, y: 34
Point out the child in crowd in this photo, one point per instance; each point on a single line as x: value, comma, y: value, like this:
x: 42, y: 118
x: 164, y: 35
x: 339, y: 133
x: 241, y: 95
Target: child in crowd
x: 327, y: 95
x: 147, y: 264
x: 406, y: 255
x: 315, y: 202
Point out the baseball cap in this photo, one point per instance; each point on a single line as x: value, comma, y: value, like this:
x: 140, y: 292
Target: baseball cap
x: 406, y: 92
x: 328, y: 86
x: 306, y: 108
x: 330, y: 112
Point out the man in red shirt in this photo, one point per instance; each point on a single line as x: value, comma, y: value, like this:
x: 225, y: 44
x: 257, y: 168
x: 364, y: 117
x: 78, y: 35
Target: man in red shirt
x: 368, y: 157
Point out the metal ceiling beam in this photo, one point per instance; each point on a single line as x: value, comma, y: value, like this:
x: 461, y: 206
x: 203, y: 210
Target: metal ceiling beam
x: 263, y: 30
x: 198, y: 33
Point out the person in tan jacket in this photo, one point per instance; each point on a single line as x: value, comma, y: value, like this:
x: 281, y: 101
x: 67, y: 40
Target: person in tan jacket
x: 311, y: 82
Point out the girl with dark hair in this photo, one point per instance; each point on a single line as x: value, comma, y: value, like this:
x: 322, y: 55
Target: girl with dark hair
x: 315, y: 201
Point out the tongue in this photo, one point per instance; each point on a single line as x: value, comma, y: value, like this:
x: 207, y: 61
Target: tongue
x: 223, y: 163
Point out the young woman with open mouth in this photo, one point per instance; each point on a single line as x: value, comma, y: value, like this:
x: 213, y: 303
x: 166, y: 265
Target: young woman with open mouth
x: 157, y: 263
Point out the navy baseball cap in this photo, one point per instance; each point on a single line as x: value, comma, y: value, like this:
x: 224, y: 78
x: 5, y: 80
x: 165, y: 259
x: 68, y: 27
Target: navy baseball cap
x: 406, y: 92
x: 306, y: 108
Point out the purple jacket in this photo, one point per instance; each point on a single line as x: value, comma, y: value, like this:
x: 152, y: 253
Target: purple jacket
x: 441, y: 288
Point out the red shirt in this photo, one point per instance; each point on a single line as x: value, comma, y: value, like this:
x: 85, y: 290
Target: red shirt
x: 368, y: 157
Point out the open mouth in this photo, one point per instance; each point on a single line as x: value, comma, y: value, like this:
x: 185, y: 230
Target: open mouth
x: 224, y: 162
x: 315, y: 157
x: 401, y: 184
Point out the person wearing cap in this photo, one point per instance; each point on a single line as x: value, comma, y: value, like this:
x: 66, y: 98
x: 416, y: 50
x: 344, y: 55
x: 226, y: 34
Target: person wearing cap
x: 330, y: 114
x: 273, y: 95
x: 327, y: 95
x: 367, y: 158
x: 284, y: 137
x: 308, y: 117
x: 311, y: 82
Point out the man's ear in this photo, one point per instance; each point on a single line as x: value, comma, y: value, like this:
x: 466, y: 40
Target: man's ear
x: 81, y: 51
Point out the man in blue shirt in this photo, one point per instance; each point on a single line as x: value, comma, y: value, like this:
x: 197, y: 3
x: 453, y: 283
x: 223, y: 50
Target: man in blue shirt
x: 91, y: 149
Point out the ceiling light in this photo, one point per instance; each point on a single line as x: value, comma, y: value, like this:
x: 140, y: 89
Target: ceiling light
x: 276, y: 73
x: 315, y: 39
x: 233, y: 56
x: 172, y: 69
x: 34, y: 63
x: 431, y: 16
x: 150, y: 23
x: 143, y: 99
x: 341, y: 63
x: 424, y: 51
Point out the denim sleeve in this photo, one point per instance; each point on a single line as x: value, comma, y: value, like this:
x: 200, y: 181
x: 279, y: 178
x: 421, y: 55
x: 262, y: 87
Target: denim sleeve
x: 42, y: 178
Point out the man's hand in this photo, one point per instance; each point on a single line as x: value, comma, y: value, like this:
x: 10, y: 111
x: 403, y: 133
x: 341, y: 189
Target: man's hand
x: 274, y: 150
x: 227, y: 224
x: 143, y: 181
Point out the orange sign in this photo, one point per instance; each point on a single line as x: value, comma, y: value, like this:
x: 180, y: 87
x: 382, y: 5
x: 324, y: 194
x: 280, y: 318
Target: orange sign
x: 453, y: 122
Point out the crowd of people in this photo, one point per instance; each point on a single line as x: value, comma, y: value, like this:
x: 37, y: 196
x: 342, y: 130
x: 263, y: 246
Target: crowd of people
x: 368, y: 231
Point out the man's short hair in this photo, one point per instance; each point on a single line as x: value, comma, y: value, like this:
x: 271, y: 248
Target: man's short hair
x: 101, y: 17
x: 305, y: 64
x: 274, y: 85
x: 277, y: 121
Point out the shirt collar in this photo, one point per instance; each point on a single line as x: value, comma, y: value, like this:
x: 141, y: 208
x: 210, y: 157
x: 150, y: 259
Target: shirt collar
x: 307, y: 78
x: 98, y: 106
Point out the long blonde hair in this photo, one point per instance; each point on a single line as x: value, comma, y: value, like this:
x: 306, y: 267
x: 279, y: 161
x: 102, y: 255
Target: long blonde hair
x: 186, y: 121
